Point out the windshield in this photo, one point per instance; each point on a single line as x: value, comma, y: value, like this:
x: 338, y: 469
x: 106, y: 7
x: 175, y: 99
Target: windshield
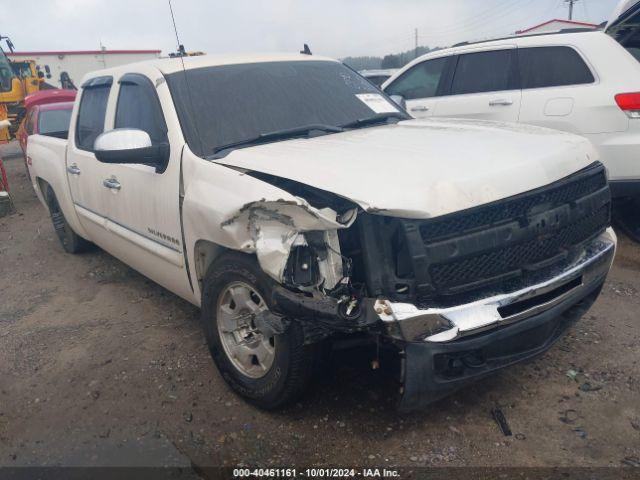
x: 6, y: 74
x: 231, y: 104
x: 54, y: 121
x: 22, y: 69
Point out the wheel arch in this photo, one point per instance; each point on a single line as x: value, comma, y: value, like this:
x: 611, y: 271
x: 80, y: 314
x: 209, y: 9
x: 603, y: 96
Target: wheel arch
x: 40, y: 185
x: 205, y: 252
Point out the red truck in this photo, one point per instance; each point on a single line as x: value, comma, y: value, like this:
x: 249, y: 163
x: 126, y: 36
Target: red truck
x: 48, y: 113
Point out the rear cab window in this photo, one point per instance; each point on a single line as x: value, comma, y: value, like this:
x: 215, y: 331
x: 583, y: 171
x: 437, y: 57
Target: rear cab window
x: 552, y: 67
x: 92, y: 111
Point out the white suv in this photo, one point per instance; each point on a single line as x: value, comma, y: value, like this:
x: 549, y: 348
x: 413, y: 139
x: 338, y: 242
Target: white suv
x: 584, y: 82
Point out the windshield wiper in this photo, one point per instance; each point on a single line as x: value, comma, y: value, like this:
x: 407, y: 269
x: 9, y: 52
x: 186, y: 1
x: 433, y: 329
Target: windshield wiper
x: 378, y: 118
x: 276, y: 135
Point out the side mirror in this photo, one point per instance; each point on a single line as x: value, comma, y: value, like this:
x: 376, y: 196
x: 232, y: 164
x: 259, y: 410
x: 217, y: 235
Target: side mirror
x: 399, y: 99
x: 130, y: 146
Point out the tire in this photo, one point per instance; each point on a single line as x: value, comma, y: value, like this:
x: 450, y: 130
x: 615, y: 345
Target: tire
x: 266, y: 384
x: 70, y: 240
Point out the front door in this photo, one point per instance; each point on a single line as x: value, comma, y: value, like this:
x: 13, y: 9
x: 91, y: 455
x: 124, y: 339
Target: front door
x: 144, y: 217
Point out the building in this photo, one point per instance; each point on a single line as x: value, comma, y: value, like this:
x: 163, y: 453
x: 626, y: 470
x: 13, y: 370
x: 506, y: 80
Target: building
x: 65, y: 69
x: 556, y: 25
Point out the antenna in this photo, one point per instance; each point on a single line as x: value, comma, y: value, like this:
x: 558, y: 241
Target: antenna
x: 175, y: 29
x: 181, y: 53
x: 306, y: 50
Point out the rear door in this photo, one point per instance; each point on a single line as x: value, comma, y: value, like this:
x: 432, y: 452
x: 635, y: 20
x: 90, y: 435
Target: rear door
x: 84, y: 172
x: 483, y: 85
x: 421, y: 86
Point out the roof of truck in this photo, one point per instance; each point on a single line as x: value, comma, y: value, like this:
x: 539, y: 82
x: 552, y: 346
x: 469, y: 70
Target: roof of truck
x: 175, y: 64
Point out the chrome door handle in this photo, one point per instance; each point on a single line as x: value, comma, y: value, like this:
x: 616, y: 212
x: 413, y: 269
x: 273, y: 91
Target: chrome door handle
x: 500, y: 101
x: 112, y: 183
x: 73, y: 169
x: 420, y: 108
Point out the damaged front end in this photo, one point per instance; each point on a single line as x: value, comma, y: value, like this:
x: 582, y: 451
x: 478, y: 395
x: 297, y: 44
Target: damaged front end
x: 297, y: 244
x: 455, y: 297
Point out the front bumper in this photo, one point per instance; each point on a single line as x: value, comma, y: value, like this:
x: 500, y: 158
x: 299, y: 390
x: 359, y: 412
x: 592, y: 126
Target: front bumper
x: 481, y: 340
x: 407, y: 322
x: 434, y: 370
x: 481, y: 337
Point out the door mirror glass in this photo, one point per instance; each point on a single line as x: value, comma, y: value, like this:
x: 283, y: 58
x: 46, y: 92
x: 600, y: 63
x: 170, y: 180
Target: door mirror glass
x: 130, y: 146
x: 399, y: 99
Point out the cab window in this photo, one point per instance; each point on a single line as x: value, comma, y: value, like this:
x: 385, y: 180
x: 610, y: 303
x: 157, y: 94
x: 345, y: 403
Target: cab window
x: 420, y: 81
x: 91, y: 114
x: 139, y: 107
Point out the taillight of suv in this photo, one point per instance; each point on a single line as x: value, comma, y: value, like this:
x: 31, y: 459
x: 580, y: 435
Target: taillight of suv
x: 629, y: 103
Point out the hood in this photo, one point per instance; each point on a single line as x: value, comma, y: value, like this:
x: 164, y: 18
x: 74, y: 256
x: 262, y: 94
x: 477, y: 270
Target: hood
x: 623, y: 11
x: 423, y: 168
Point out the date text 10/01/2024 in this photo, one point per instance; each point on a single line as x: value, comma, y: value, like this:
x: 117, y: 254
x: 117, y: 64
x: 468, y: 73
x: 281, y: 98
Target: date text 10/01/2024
x: 315, y: 473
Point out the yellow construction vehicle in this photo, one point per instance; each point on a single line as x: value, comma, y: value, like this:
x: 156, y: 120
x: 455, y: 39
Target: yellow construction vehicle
x: 17, y: 80
x: 8, y: 83
x: 28, y: 74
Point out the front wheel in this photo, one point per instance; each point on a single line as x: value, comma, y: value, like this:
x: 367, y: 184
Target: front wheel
x: 268, y: 371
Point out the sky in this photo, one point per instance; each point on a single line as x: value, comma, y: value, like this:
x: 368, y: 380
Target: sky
x: 335, y: 28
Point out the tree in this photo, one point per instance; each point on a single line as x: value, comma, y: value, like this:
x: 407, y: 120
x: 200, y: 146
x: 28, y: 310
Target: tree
x: 391, y: 61
x: 397, y: 60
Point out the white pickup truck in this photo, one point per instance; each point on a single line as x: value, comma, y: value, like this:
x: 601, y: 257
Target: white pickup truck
x: 298, y: 206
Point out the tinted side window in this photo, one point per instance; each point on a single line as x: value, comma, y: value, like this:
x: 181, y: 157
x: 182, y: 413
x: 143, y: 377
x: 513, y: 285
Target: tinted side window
x: 139, y: 107
x: 552, y: 67
x: 483, y: 72
x: 93, y: 107
x: 421, y: 81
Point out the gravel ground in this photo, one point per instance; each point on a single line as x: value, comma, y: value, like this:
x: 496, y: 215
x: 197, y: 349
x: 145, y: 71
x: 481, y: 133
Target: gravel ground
x: 100, y: 366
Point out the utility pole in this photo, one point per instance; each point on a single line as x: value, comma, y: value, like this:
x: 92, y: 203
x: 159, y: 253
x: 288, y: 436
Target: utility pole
x: 570, y: 2
x: 415, y: 54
